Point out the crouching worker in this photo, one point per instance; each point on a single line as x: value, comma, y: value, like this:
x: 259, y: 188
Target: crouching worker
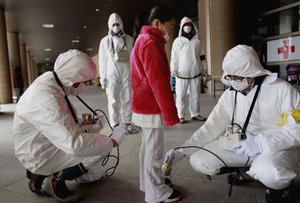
x: 257, y: 118
x: 48, y: 140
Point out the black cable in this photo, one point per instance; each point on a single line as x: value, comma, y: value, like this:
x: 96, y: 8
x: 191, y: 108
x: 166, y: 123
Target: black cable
x: 202, y: 149
x: 108, y: 156
x: 236, y: 178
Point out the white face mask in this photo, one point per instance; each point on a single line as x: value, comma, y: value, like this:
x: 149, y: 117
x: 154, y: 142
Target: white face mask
x: 187, y: 28
x: 239, y: 85
x: 76, y: 91
x: 116, y: 29
x: 166, y: 36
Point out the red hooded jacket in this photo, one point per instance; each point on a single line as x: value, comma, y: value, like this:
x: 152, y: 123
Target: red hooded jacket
x: 151, y: 89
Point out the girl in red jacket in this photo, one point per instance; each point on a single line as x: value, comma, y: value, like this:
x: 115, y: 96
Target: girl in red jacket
x: 152, y: 102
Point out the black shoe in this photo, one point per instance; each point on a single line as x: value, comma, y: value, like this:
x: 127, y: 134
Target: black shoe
x: 198, y: 118
x: 116, y: 125
x: 236, y: 178
x: 277, y: 196
x: 182, y: 120
x: 35, y: 182
x: 174, y: 197
x: 168, y: 182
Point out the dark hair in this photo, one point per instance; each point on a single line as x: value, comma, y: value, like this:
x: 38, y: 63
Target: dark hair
x: 162, y: 13
x: 140, y: 20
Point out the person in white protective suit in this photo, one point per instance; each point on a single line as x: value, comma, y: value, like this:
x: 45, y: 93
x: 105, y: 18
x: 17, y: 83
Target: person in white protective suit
x: 187, y: 65
x: 273, y: 133
x: 48, y: 140
x: 114, y: 70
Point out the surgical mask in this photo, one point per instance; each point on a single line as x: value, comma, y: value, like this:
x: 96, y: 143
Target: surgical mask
x: 76, y: 91
x: 187, y: 28
x: 166, y: 36
x: 239, y: 85
x: 116, y: 29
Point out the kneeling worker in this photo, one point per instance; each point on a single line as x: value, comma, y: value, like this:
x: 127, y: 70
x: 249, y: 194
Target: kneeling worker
x: 265, y: 111
x: 48, y: 140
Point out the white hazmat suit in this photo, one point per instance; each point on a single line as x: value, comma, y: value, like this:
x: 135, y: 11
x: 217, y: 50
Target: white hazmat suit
x: 275, y: 166
x: 114, y: 73
x: 47, y: 139
x: 187, y: 64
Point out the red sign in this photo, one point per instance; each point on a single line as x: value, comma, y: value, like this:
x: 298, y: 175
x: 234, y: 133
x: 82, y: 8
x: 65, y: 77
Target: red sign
x: 286, y: 49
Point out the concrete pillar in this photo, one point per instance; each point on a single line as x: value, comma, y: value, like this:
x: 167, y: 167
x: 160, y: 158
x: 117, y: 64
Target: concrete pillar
x: 5, y: 80
x: 24, y: 64
x: 13, y: 55
x: 29, y: 68
x: 217, y: 29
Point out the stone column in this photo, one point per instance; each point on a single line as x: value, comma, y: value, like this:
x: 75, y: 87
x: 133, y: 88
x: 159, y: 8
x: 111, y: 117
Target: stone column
x: 217, y: 29
x: 29, y: 67
x: 13, y: 55
x: 5, y: 81
x: 24, y: 64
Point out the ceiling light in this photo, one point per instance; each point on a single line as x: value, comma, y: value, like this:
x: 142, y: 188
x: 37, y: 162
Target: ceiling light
x: 47, y: 59
x: 84, y: 26
x: 48, y: 25
x: 97, y: 10
x: 89, y: 49
x: 47, y: 49
x: 75, y: 41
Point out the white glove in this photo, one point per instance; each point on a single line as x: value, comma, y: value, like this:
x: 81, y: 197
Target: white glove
x: 174, y: 156
x: 118, y: 134
x: 250, y: 147
x: 100, y: 121
x: 103, y: 83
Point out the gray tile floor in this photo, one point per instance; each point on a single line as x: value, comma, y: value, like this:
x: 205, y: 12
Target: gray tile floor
x: 123, y: 185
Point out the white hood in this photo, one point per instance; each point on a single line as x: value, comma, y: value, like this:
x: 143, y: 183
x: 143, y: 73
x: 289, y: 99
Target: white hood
x: 242, y: 61
x: 114, y: 18
x: 187, y: 20
x: 74, y: 66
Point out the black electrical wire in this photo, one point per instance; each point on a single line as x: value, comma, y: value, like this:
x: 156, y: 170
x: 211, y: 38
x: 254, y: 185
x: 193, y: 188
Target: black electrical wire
x: 236, y: 178
x: 108, y: 156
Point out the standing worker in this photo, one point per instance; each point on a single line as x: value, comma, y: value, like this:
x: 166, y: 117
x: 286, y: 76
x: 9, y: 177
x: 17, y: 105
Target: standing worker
x: 114, y: 69
x: 48, y: 140
x: 187, y: 65
x: 150, y: 80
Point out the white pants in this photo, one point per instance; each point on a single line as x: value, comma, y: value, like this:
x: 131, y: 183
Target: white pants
x: 151, y: 157
x: 94, y: 167
x: 118, y: 95
x: 275, y: 171
x: 92, y: 164
x: 181, y: 93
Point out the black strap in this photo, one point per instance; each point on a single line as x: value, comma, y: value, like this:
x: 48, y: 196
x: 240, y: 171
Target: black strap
x: 112, y: 44
x: 234, y: 107
x: 190, y: 77
x: 66, y: 97
x: 258, y: 81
